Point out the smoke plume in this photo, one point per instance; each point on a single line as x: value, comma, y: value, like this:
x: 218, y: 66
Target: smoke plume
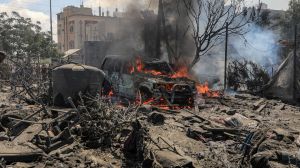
x: 258, y: 45
x: 139, y: 36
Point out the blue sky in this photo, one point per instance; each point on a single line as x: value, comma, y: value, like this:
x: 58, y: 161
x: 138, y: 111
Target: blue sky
x: 38, y: 10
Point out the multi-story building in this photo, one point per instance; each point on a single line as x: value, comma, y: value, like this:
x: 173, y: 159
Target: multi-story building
x: 75, y: 25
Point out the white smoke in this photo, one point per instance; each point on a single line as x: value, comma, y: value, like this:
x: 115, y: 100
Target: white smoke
x: 257, y: 45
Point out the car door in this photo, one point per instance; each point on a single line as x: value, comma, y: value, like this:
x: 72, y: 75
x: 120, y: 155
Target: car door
x: 112, y: 75
x: 126, y: 85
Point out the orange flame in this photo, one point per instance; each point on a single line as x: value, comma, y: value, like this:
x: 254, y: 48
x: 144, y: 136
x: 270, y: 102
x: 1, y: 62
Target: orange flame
x: 140, y: 68
x: 131, y: 69
x: 183, y: 72
x: 111, y: 93
x: 139, y: 64
x: 204, y: 90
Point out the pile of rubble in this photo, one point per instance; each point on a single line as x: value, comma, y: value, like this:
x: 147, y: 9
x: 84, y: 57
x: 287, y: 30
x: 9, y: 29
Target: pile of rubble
x: 233, y: 131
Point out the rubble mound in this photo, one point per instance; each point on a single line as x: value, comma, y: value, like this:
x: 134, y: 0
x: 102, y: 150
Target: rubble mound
x: 233, y: 131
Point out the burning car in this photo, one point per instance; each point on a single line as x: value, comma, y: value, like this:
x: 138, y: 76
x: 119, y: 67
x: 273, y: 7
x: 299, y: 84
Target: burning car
x: 147, y: 82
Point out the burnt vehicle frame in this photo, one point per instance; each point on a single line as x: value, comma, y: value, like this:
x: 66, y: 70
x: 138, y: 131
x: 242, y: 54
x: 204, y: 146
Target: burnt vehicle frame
x: 125, y: 80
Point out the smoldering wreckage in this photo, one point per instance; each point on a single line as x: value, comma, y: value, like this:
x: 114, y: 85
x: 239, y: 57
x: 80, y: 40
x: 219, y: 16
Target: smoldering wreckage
x: 132, y: 112
x: 167, y: 121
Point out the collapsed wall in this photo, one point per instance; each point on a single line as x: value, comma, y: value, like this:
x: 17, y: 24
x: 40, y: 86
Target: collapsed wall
x: 282, y: 84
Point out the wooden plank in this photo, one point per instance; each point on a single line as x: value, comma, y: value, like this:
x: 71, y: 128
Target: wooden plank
x: 28, y: 134
x: 15, y: 152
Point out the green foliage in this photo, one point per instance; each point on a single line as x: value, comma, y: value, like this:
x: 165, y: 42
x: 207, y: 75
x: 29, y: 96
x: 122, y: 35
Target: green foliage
x: 23, y: 39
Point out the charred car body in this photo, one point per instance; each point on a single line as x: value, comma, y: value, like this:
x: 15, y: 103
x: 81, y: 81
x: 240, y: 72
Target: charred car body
x: 147, y: 82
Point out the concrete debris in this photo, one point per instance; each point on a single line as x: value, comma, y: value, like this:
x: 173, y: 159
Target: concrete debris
x: 297, y: 141
x: 261, y: 108
x: 283, y: 135
x: 12, y: 152
x: 258, y: 103
x: 171, y: 159
x: 23, y: 165
x: 94, y: 131
x: 282, y: 107
x: 238, y: 120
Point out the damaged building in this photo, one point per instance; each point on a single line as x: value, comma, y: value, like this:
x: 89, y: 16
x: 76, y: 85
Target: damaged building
x: 123, y: 95
x: 95, y: 35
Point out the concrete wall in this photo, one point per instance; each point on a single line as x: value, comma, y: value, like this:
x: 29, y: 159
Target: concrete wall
x: 77, y: 25
x: 94, y: 52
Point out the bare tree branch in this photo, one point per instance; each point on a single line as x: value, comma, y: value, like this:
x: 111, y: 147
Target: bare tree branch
x: 208, y: 20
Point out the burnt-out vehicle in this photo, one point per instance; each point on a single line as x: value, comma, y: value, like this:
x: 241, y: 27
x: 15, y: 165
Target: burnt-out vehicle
x: 148, y: 82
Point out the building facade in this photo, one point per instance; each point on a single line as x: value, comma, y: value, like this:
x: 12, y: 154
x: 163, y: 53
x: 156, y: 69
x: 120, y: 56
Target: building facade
x: 75, y: 25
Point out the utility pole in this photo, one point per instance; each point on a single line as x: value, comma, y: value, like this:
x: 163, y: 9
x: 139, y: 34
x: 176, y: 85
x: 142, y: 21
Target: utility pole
x: 51, y: 29
x: 295, y: 55
x: 158, y: 31
x: 226, y: 57
x: 295, y: 64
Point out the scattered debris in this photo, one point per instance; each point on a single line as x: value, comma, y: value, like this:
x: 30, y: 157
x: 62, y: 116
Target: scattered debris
x: 238, y: 120
x: 95, y: 131
x: 258, y: 103
x: 261, y: 108
x: 281, y: 107
x: 297, y: 141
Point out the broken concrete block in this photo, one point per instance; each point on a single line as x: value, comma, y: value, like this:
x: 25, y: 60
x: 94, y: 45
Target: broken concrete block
x: 281, y: 107
x: 12, y: 152
x: 283, y: 135
x: 28, y: 134
x: 297, y: 141
x: 171, y: 159
x: 261, y: 108
x: 23, y: 165
x: 238, y: 120
x: 257, y: 104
